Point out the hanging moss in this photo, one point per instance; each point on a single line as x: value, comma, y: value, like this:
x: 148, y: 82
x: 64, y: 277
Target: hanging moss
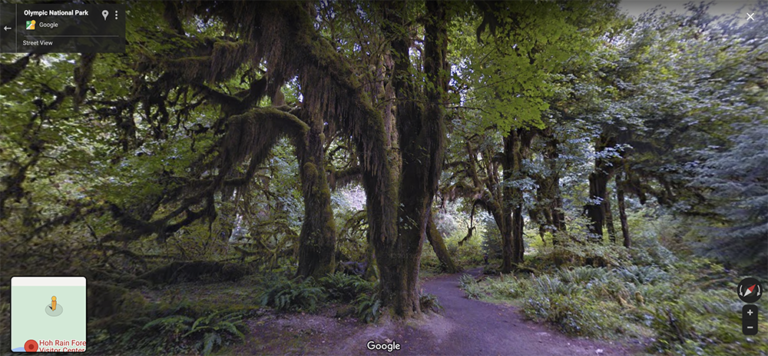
x: 253, y: 134
x: 200, y: 60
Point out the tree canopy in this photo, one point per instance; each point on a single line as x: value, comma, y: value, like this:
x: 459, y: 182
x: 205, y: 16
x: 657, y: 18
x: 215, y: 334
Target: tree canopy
x: 231, y: 118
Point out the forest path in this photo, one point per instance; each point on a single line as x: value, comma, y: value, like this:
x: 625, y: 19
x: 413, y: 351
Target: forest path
x: 464, y: 327
x: 472, y: 327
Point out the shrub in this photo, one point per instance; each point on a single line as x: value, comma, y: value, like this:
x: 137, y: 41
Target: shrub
x: 205, y: 333
x: 572, y: 315
x: 672, y: 324
x: 569, y: 254
x: 284, y: 295
x: 469, y: 284
x: 641, y: 274
x: 580, y: 274
x: 508, y: 288
x: 429, y: 302
x: 547, y: 285
x: 345, y: 288
x: 368, y: 307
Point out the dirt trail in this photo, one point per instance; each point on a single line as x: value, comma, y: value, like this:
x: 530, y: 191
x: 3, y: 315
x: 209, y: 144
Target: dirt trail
x: 465, y: 327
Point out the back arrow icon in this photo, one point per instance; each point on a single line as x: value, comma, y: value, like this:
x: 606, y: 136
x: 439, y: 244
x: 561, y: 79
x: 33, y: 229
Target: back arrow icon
x: 6, y: 28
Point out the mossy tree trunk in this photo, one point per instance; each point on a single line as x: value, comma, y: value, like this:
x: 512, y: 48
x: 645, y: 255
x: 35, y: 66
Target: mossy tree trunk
x: 438, y: 245
x: 549, y: 197
x: 609, y: 218
x: 421, y: 132
x: 556, y: 208
x: 331, y: 89
x: 623, y: 211
x: 598, y: 183
x: 516, y: 147
x: 317, y: 241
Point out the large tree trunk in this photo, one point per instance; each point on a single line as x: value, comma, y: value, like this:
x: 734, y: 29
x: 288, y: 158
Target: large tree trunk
x: 370, y: 260
x: 516, y: 147
x: 504, y: 223
x: 517, y: 234
x: 317, y: 241
x: 555, y: 215
x: 542, y: 214
x: 420, y: 136
x: 609, y: 219
x: 598, y: 183
x: 622, y: 211
x: 438, y: 245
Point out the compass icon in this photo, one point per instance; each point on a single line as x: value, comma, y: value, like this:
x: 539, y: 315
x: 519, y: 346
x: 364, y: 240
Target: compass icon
x: 750, y: 290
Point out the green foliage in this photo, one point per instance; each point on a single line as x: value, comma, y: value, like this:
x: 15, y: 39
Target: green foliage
x: 636, y: 301
x: 513, y: 64
x: 641, y: 274
x: 469, y: 284
x: 738, y: 184
x: 574, y: 315
x: 672, y: 323
x: 581, y: 275
x: 344, y: 287
x: 207, y: 332
x: 429, y: 301
x: 546, y: 285
x: 567, y: 254
x: 290, y: 295
x: 685, y: 96
x: 368, y: 307
x: 508, y: 287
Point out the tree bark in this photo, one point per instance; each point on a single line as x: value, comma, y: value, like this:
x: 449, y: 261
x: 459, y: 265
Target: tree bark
x: 554, y: 214
x: 438, y: 245
x: 421, y: 134
x: 516, y: 147
x: 623, y: 211
x: 609, y: 219
x: 317, y: 240
x: 370, y: 260
x: 598, y: 183
x: 503, y: 219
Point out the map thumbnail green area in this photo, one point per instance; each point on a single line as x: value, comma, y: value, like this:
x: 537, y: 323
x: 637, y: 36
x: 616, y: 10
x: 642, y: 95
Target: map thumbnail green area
x: 29, y: 319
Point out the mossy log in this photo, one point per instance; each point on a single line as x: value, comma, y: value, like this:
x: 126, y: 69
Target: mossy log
x: 191, y: 271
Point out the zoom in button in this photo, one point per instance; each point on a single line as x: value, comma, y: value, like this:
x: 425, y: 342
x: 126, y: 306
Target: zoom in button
x: 749, y: 320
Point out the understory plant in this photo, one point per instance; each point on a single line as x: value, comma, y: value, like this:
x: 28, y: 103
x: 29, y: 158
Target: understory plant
x: 685, y: 306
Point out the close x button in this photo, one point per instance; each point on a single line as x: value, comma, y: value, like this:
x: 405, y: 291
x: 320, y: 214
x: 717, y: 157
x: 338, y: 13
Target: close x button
x: 749, y: 320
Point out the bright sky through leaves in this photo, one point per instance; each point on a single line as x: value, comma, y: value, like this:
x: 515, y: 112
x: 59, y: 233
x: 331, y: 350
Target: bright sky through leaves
x: 637, y: 7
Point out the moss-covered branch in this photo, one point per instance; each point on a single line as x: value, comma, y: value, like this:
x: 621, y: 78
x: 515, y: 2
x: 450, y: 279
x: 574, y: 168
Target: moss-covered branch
x: 11, y: 71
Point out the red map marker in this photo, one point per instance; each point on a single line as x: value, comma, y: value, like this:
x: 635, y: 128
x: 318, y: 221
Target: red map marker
x: 30, y: 346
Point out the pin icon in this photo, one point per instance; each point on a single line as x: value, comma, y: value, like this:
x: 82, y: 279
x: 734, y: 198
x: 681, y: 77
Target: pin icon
x: 105, y: 13
x: 30, y: 346
x: 53, y: 303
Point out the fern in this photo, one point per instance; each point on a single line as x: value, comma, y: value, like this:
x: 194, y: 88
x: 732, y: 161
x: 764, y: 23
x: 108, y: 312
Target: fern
x: 470, y: 286
x: 214, y: 326
x: 580, y: 274
x: 345, y: 288
x: 171, y: 326
x: 552, y: 285
x: 285, y: 295
x: 209, y: 341
x: 429, y: 302
x: 641, y: 274
x: 368, y: 307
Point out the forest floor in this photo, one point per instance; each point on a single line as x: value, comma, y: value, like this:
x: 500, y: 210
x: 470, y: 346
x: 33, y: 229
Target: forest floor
x: 463, y: 327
